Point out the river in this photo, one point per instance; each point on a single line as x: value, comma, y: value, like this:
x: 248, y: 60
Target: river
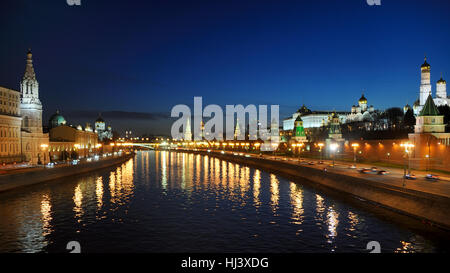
x: 179, y: 202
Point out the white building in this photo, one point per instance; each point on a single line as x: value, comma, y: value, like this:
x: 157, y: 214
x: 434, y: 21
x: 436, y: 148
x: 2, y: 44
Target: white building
x: 312, y: 119
x: 425, y: 89
x: 362, y: 112
x: 104, y: 132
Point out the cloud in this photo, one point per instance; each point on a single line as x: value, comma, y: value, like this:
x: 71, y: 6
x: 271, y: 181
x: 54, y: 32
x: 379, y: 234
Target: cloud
x: 118, y: 115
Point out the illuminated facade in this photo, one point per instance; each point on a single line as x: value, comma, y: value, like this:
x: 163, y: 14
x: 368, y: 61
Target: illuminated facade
x: 66, y: 139
x: 10, y: 122
x: 104, y: 132
x: 361, y: 112
x: 34, y: 141
x: 312, y: 119
x: 425, y: 89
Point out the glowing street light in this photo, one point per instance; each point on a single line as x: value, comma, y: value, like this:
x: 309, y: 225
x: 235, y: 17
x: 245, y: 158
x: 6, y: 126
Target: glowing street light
x: 320, y: 144
x: 334, y: 147
x: 408, y: 149
x: 355, y: 146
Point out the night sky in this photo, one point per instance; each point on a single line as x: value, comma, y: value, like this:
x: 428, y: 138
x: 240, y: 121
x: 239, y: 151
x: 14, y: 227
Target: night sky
x: 134, y: 60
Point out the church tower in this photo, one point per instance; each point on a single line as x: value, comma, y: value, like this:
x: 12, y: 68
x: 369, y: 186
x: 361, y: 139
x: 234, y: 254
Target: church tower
x: 31, y: 106
x: 299, y: 130
x: 441, y: 88
x: 425, y: 82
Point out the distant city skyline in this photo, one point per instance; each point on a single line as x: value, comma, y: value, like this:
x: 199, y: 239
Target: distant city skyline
x: 145, y: 57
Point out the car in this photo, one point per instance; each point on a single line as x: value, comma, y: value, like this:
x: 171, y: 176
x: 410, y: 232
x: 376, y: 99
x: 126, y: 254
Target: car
x: 311, y: 163
x: 410, y: 176
x: 432, y: 177
x: 382, y: 172
x: 365, y: 170
x: 320, y: 162
x: 352, y: 167
x: 374, y: 169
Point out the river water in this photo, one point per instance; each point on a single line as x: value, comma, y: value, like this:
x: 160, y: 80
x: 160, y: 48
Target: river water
x: 179, y: 202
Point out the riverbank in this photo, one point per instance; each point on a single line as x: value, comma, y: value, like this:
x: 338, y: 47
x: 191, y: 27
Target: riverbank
x: 43, y: 174
x: 420, y: 204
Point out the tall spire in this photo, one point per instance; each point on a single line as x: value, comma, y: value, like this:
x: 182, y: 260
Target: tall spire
x: 29, y: 85
x: 29, y: 69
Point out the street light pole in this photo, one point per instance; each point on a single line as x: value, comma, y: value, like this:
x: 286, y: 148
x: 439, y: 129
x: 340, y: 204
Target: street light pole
x: 355, y: 146
x: 333, y: 148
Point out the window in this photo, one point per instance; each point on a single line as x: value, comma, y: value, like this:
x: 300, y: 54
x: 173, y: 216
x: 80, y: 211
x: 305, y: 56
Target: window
x: 26, y: 122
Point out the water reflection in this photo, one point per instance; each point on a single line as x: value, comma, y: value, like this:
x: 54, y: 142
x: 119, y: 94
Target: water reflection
x: 78, y: 201
x: 256, y: 187
x: 297, y: 204
x: 46, y: 209
x: 275, y: 193
x: 162, y: 201
x: 99, y: 192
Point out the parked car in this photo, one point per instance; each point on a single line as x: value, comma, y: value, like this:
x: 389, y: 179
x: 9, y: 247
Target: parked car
x: 382, y: 172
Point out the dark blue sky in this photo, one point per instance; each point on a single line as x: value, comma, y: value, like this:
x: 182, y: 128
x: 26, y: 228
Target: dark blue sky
x: 146, y: 56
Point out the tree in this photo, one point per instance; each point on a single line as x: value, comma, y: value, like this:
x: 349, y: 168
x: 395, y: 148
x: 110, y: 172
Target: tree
x: 394, y: 115
x: 409, y: 120
x: 445, y: 111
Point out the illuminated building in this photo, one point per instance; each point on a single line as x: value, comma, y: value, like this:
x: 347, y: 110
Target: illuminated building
x: 66, y: 139
x: 311, y: 119
x: 299, y: 131
x: 10, y: 123
x: 33, y: 139
x: 104, y: 132
x: 425, y: 89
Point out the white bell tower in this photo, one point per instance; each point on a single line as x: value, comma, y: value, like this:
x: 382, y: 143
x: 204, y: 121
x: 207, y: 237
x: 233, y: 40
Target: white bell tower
x: 425, y: 83
x: 31, y: 106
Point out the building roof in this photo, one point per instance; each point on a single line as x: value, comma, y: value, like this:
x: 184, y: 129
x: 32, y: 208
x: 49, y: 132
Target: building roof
x: 304, y: 110
x: 425, y: 64
x: 298, y: 118
x: 56, y: 120
x: 429, y: 109
x: 441, y: 80
x: 99, y: 119
x: 363, y: 99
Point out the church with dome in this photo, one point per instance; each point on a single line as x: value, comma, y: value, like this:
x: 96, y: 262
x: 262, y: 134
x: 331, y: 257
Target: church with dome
x: 425, y: 89
x: 104, y: 132
x: 361, y: 112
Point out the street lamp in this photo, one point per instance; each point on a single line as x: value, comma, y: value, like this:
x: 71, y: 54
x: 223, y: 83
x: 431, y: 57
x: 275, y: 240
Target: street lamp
x: 320, y: 150
x: 44, y: 147
x: 355, y: 146
x: 407, y: 147
x: 333, y: 148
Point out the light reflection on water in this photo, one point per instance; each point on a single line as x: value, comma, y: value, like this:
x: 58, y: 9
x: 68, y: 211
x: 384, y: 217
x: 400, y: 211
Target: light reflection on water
x: 177, y: 202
